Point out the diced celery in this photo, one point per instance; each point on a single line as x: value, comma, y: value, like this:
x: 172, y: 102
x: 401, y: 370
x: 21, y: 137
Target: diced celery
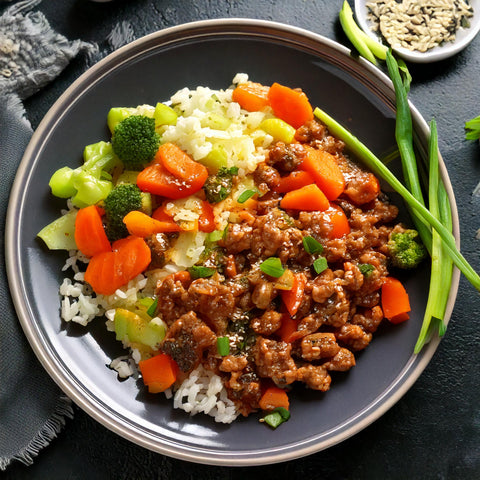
x: 281, y: 131
x: 138, y: 329
x: 116, y: 115
x: 61, y: 183
x: 127, y: 176
x: 147, y: 203
x: 216, y: 159
x: 216, y: 121
x: 164, y: 115
x: 60, y: 234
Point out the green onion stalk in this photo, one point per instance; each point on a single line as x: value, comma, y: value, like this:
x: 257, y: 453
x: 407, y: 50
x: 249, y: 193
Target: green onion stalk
x: 441, y: 269
x: 404, y: 138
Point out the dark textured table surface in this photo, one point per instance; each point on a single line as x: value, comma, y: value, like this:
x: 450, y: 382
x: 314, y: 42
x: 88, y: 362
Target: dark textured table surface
x: 433, y: 432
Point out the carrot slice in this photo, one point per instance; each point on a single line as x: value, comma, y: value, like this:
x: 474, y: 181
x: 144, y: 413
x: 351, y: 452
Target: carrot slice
x: 308, y: 198
x: 401, y: 317
x: 338, y: 221
x: 142, y: 225
x: 295, y: 180
x: 206, y: 221
x: 180, y: 165
x: 395, y: 301
x: 287, y: 329
x: 108, y: 271
x: 290, y: 105
x: 293, y: 298
x: 274, y: 397
x: 158, y: 180
x: 326, y: 172
x: 158, y: 372
x: 251, y: 96
x: 172, y: 174
x: 90, y: 235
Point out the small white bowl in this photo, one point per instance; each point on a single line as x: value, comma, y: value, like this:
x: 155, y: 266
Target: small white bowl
x: 463, y: 37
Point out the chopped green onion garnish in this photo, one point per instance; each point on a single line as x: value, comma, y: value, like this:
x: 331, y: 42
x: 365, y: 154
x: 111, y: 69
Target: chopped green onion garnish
x: 215, y: 236
x: 320, y: 264
x: 198, y: 271
x: 223, y: 346
x: 277, y: 417
x: 272, y: 266
x: 152, y: 309
x: 311, y: 245
x: 225, y: 232
x: 366, y: 269
x: 244, y: 196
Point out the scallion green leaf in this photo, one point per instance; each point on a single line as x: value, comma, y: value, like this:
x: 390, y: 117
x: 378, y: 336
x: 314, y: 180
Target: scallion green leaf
x: 245, y: 195
x: 199, y: 271
x: 152, y: 309
x: 272, y: 266
x: 276, y: 417
x: 311, y: 245
x: 223, y: 346
x: 366, y: 269
x: 320, y: 264
x: 215, y: 236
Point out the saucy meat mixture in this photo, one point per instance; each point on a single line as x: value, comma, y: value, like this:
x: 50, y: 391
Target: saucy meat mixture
x: 335, y: 312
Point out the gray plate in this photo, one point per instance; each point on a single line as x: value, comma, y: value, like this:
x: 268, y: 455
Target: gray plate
x: 205, y: 53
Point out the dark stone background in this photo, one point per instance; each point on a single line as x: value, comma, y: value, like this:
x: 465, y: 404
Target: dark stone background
x: 434, y: 431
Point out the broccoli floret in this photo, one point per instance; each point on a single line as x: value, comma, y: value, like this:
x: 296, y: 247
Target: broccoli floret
x: 405, y: 250
x: 218, y: 187
x: 122, y: 199
x: 135, y: 141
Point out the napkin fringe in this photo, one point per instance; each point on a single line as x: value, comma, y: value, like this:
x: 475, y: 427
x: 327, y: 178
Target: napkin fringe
x: 50, y: 429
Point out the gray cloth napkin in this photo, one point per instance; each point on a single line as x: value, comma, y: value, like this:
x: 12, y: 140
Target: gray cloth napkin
x: 32, y: 408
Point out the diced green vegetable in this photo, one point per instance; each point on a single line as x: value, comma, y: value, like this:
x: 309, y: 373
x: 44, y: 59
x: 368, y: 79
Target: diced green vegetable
x: 223, y: 346
x: 214, y: 236
x: 127, y: 176
x: 280, y: 131
x: 246, y: 195
x: 61, y: 183
x: 199, y: 271
x: 311, y: 245
x: 276, y: 417
x: 272, y: 266
x: 216, y: 121
x: 152, y: 309
x: 137, y: 329
x: 320, y: 264
x: 89, y: 183
x: 164, y: 115
x: 60, y: 234
x: 117, y: 114
x: 216, y: 159
x: 366, y: 269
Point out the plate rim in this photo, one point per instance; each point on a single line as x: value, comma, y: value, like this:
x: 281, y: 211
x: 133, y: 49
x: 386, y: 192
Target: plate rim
x: 222, y: 26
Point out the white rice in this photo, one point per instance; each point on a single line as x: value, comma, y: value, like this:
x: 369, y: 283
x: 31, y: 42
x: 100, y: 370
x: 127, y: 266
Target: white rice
x: 203, y: 392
